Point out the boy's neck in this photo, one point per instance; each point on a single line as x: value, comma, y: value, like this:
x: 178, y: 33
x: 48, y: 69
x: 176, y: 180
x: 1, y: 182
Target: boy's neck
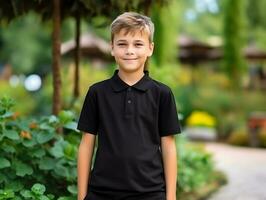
x: 130, y: 78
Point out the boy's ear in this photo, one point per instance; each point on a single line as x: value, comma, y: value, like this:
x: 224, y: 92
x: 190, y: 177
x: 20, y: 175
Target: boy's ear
x: 112, y: 47
x: 151, y: 47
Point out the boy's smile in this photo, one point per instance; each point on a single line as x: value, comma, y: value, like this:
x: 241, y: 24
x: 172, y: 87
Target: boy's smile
x: 131, y: 50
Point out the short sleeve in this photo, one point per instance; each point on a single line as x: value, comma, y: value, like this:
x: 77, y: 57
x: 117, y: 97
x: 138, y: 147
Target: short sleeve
x: 88, y: 120
x: 168, y: 118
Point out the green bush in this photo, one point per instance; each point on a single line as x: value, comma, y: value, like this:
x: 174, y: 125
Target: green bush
x: 195, y: 167
x: 197, y: 177
x: 37, y: 192
x: 32, y: 152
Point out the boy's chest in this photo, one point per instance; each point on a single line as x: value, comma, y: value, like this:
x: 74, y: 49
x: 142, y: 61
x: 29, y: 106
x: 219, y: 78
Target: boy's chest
x: 128, y: 122
x: 129, y: 104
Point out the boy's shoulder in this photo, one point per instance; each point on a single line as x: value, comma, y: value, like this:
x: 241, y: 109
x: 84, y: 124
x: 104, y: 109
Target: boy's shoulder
x: 99, y: 85
x: 155, y: 85
x: 161, y: 87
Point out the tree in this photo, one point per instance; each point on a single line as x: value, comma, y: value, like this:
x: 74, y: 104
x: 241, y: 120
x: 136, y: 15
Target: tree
x: 234, y: 64
x: 56, y: 58
x: 166, y: 20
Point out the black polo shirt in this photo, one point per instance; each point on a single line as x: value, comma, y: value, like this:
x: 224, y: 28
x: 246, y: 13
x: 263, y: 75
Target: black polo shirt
x: 129, y: 121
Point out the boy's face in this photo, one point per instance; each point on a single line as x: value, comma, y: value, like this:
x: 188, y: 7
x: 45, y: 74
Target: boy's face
x: 131, y: 50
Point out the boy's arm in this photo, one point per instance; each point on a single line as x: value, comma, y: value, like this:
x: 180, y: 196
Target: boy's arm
x: 169, y: 156
x: 85, y: 153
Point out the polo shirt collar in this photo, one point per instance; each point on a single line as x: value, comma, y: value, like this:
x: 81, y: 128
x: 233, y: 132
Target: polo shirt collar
x: 118, y: 84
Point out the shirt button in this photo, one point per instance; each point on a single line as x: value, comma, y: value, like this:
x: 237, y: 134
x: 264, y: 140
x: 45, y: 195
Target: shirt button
x: 129, y: 89
x: 129, y: 101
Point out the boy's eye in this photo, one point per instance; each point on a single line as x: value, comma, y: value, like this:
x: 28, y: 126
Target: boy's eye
x: 139, y: 44
x: 121, y: 44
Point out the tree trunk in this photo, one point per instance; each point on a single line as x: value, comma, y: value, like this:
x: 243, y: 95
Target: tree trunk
x: 234, y: 29
x: 77, y: 57
x: 56, y: 58
x: 147, y: 7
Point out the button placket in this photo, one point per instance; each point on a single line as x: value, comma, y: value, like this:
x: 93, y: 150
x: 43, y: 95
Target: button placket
x: 129, y: 102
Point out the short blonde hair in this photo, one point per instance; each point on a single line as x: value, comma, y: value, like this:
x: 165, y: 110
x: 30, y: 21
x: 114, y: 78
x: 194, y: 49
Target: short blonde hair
x: 131, y: 22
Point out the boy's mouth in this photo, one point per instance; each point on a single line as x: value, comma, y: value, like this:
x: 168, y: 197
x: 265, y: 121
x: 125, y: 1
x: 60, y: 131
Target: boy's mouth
x: 129, y: 58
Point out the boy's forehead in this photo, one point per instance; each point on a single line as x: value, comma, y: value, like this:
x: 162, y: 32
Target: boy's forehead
x: 136, y: 34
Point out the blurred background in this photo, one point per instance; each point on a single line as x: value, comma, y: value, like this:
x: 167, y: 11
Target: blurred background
x: 212, y: 53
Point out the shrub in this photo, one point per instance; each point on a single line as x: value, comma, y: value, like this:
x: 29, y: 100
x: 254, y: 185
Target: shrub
x: 32, y: 152
x: 197, y: 177
x: 37, y: 192
x: 195, y: 166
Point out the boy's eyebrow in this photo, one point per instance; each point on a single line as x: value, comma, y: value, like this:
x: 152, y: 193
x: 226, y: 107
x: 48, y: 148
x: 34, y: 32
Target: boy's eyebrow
x: 138, y: 41
x: 127, y: 41
x: 121, y: 41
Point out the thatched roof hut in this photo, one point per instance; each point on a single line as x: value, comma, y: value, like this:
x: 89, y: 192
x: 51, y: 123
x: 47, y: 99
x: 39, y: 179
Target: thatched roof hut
x: 91, y: 46
x: 254, y: 53
x: 193, y: 52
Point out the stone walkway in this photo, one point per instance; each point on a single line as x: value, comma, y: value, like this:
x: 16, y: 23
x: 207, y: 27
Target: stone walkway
x: 245, y: 169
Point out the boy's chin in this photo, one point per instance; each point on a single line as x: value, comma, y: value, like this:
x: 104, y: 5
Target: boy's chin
x: 130, y: 69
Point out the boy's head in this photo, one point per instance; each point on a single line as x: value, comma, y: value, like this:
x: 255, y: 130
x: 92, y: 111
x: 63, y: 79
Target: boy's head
x: 131, y: 40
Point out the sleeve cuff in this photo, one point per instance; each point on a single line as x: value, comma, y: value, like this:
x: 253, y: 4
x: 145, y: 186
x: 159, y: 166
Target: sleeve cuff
x: 170, y: 132
x: 86, y: 128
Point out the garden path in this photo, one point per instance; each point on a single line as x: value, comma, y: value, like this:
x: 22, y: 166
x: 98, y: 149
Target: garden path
x: 245, y: 169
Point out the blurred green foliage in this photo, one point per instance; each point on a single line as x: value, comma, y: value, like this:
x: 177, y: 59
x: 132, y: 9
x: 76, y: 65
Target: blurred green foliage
x: 165, y: 36
x: 196, y: 171
x: 26, y: 43
x: 234, y: 40
x: 27, y: 48
x: 198, y: 23
x: 27, y: 104
x: 195, y: 167
x: 88, y: 76
x: 32, y: 152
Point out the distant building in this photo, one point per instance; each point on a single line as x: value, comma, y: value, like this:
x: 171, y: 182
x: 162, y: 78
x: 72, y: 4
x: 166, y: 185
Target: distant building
x: 91, y: 46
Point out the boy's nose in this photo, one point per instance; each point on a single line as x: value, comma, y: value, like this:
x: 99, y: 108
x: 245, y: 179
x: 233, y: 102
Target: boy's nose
x: 129, y: 51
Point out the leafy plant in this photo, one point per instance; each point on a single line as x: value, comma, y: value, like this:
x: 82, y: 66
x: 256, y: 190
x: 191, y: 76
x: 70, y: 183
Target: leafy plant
x: 37, y: 192
x: 33, y: 152
x: 195, y: 166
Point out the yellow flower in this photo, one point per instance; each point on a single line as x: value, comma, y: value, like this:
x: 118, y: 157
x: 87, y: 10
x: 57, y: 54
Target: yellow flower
x: 200, y: 118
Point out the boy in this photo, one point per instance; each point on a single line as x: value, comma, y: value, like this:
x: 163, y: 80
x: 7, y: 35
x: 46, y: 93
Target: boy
x: 135, y: 119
